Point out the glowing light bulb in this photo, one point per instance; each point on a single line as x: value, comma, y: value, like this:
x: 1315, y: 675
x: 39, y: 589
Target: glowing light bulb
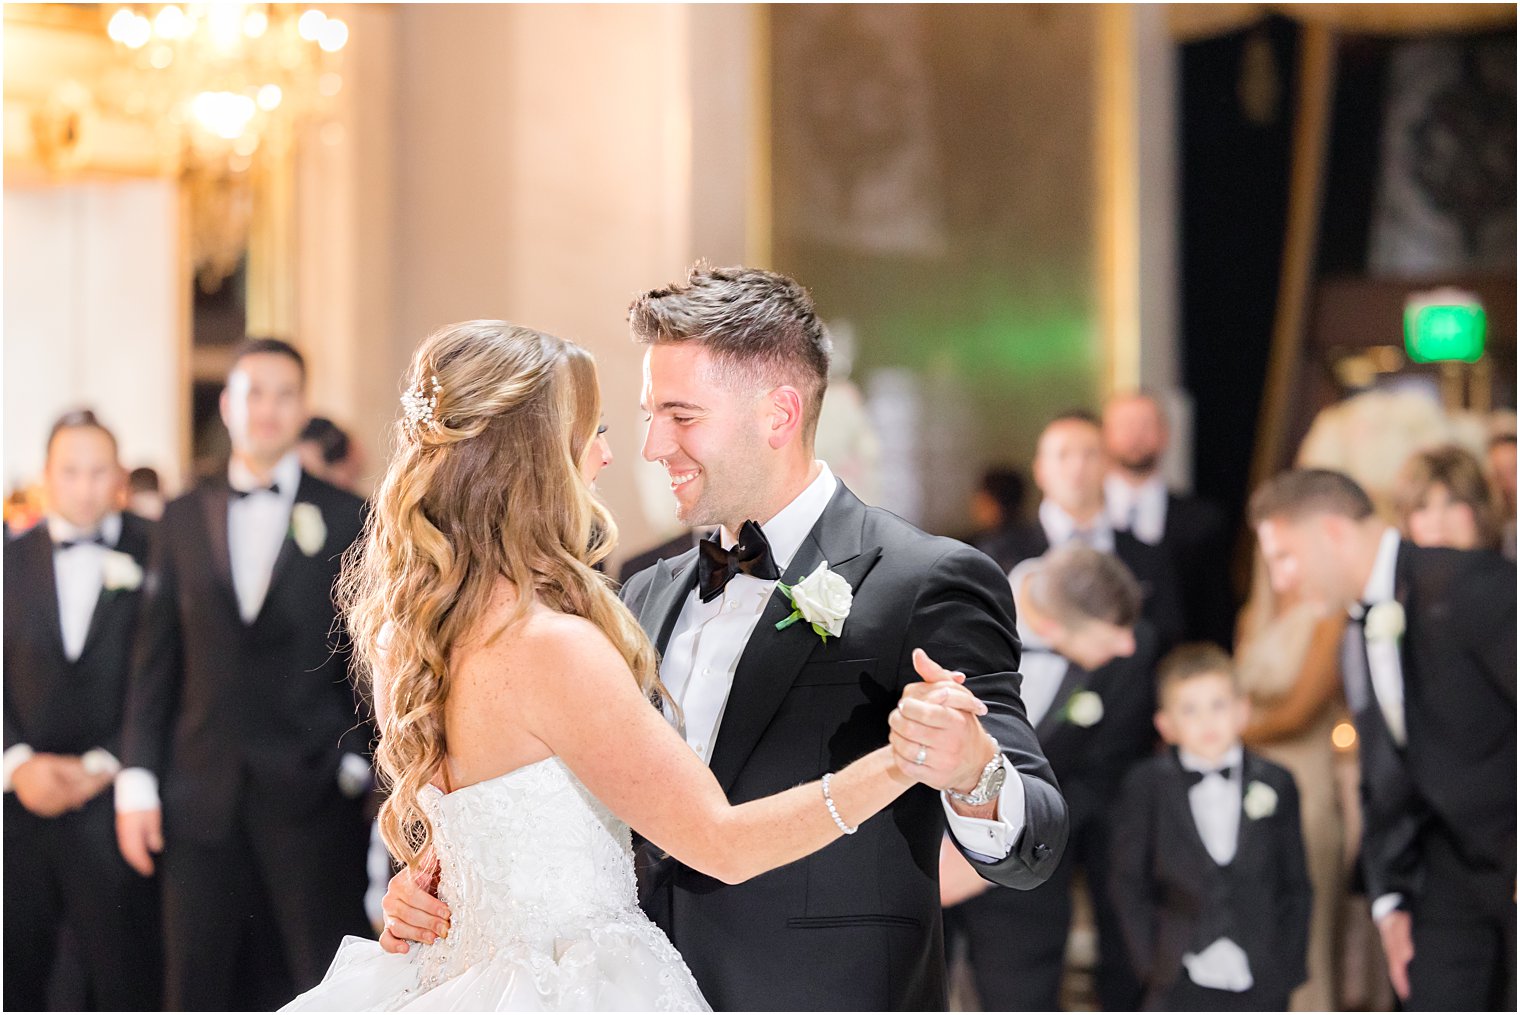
x: 310, y: 24
x: 225, y: 114
x: 1343, y: 736
x: 255, y: 24
x: 171, y: 23
x: 333, y: 36
x: 269, y: 97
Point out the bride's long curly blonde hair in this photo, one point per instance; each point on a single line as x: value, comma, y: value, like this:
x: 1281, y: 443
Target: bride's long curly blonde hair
x: 490, y: 486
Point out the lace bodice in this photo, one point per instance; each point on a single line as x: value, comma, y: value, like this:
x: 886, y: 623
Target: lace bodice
x: 538, y: 875
x: 530, y: 859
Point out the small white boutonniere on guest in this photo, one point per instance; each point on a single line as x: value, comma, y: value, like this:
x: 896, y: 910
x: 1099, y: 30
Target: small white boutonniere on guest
x: 822, y: 599
x: 1385, y: 621
x: 119, y: 572
x: 1260, y: 801
x: 1084, y: 709
x: 307, y: 528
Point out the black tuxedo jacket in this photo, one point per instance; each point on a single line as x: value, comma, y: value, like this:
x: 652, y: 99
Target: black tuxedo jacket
x: 216, y: 703
x: 649, y: 558
x: 1091, y: 761
x: 1198, y: 542
x: 857, y: 924
x: 53, y: 704
x: 1452, y: 787
x: 1172, y: 898
x: 1151, y: 565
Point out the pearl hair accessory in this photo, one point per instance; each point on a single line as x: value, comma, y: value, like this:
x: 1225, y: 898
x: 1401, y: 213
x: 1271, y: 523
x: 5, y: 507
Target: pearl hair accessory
x: 418, y: 404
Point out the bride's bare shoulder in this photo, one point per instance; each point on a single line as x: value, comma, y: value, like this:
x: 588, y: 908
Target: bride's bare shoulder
x: 541, y: 648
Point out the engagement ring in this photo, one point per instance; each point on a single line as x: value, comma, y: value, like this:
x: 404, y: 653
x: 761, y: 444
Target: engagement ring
x: 923, y: 753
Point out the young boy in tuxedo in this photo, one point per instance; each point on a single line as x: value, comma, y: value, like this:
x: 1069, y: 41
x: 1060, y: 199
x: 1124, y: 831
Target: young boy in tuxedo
x: 1208, y: 871
x: 72, y: 590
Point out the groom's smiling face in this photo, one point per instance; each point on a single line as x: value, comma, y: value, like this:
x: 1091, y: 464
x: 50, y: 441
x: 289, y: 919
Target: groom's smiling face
x: 708, y: 434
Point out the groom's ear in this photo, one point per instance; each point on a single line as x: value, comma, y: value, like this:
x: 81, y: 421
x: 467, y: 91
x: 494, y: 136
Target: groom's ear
x: 784, y: 415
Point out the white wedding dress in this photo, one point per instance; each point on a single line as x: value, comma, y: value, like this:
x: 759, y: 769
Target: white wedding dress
x: 538, y: 876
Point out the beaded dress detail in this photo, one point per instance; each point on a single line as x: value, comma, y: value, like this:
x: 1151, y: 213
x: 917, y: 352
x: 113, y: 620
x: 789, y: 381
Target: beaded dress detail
x: 538, y: 876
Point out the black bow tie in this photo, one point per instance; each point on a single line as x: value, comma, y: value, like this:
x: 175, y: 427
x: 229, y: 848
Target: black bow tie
x: 751, y: 556
x: 68, y: 544
x: 273, y: 488
x: 1195, y: 777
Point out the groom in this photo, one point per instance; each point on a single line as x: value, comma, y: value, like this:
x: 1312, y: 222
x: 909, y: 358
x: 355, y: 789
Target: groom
x: 734, y: 375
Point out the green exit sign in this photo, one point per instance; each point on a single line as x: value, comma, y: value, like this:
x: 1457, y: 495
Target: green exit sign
x: 1443, y: 332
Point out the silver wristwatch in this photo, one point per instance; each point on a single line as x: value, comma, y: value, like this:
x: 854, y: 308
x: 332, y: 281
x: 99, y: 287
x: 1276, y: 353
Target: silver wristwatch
x: 990, y: 784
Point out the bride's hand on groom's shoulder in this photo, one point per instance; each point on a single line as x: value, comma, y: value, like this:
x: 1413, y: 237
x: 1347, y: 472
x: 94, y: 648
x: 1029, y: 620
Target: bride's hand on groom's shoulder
x: 936, y: 736
x: 412, y: 911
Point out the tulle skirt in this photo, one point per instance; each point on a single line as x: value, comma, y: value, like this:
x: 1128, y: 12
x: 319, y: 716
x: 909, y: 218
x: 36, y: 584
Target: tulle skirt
x: 620, y: 967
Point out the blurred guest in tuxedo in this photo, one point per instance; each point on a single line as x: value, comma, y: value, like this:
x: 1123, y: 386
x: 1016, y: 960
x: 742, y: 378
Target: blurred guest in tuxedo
x: 72, y: 586
x: 245, y: 761
x: 1429, y: 669
x: 1208, y: 864
x: 144, y: 498
x: 1191, y: 531
x: 1443, y: 499
x: 1087, y: 686
x: 997, y: 506
x: 1068, y: 471
x: 329, y: 453
x: 1287, y: 656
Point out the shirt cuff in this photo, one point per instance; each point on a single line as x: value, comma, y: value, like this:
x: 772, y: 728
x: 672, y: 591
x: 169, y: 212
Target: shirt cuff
x: 991, y: 840
x: 99, y: 761
x: 354, y: 777
x: 16, y: 755
x: 1385, y: 904
x: 136, y: 790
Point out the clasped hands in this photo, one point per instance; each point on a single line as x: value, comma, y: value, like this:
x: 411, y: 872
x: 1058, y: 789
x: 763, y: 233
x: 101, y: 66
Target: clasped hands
x: 50, y: 785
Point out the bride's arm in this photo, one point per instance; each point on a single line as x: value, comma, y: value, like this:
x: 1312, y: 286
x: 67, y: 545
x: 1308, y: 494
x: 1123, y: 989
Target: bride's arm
x: 583, y: 703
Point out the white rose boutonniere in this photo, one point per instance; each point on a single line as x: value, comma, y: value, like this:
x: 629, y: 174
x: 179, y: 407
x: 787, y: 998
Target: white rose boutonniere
x: 822, y: 599
x: 1385, y: 621
x: 307, y: 528
x: 1084, y: 709
x: 119, y: 572
x: 1260, y: 801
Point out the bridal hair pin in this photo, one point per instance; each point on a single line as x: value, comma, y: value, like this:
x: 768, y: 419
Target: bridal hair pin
x: 418, y: 404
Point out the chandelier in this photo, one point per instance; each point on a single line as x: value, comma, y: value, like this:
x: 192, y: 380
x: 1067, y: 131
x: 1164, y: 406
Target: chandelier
x: 226, y: 87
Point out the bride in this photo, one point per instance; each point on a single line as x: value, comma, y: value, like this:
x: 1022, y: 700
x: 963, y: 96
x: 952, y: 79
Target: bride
x: 513, y: 692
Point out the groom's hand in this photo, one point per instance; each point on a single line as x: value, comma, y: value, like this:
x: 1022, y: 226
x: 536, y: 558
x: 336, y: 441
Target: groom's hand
x: 937, y: 720
x: 412, y: 913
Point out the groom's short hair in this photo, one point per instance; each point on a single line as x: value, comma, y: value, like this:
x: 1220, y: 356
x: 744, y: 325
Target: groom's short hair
x: 756, y: 324
x: 1302, y: 492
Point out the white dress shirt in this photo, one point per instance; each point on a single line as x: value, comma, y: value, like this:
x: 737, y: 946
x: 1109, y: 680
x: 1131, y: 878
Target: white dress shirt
x: 1138, y: 510
x: 78, y: 576
x: 1385, y: 667
x: 1041, y: 667
x: 256, y: 529
x: 707, y: 640
x: 1216, y: 803
x: 1060, y: 528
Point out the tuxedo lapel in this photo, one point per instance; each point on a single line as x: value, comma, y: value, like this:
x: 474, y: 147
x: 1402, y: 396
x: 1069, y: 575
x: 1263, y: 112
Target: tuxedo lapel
x: 772, y: 658
x: 1182, y: 814
x: 215, y: 497
x: 288, y: 548
x: 1071, y: 682
x: 1250, y: 771
x: 40, y: 563
x: 662, y: 606
x: 110, y: 602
